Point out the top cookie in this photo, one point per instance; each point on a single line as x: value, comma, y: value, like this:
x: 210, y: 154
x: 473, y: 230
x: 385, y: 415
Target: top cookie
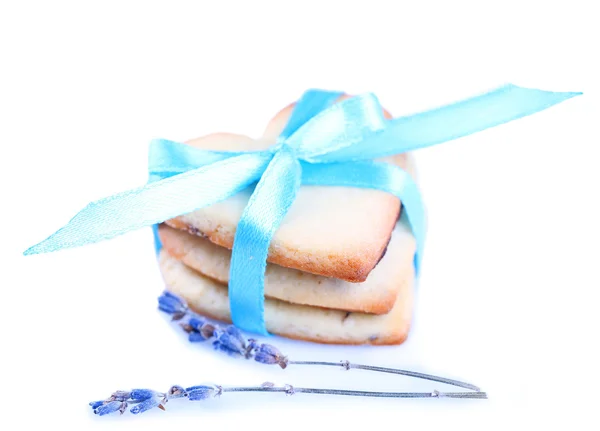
x: 338, y: 232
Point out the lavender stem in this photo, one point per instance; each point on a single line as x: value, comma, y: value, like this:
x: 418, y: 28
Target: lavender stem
x: 347, y: 365
x: 291, y: 390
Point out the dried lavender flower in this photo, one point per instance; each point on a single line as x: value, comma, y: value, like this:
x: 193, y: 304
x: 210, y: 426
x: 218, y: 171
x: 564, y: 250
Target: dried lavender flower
x: 142, y: 394
x: 96, y: 404
x: 230, y: 341
x: 196, y: 323
x: 267, y: 354
x: 176, y: 392
x: 109, y: 407
x: 202, y: 392
x: 198, y: 329
x: 171, y: 295
x: 144, y: 406
x: 195, y: 337
x: 172, y: 304
x: 120, y: 396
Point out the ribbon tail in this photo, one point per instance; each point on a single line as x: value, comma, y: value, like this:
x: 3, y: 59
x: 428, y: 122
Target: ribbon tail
x: 449, y: 122
x: 380, y: 176
x: 268, y: 205
x: 156, y: 202
x: 342, y: 125
x: 167, y: 158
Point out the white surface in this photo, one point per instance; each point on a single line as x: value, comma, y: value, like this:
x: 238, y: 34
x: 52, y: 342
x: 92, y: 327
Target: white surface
x: 508, y: 297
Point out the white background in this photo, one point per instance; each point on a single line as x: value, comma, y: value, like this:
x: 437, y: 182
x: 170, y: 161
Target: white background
x: 509, y: 292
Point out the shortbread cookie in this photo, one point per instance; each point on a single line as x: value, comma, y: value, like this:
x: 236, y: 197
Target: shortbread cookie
x: 338, y: 232
x: 375, y: 295
x: 302, y: 322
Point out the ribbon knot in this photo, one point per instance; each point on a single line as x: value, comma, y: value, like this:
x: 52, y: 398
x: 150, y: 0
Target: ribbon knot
x: 282, y: 144
x: 322, y: 144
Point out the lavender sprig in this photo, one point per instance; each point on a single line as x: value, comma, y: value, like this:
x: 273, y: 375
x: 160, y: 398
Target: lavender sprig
x: 204, y: 392
x: 231, y: 341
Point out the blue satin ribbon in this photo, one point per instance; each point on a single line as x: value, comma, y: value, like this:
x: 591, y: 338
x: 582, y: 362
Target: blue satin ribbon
x: 324, y: 143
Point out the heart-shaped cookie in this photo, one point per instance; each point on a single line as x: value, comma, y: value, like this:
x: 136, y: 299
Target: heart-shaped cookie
x: 376, y: 295
x: 209, y: 298
x: 339, y: 232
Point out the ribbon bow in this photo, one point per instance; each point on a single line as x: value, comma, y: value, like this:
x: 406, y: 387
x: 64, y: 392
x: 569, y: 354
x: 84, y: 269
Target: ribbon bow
x: 322, y: 144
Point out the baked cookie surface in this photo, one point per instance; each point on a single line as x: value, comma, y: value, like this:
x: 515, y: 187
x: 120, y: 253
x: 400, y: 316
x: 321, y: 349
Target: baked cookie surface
x: 209, y: 298
x: 375, y: 295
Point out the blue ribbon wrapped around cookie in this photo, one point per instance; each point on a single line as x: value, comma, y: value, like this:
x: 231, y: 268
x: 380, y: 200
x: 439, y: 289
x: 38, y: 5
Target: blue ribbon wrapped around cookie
x: 324, y: 143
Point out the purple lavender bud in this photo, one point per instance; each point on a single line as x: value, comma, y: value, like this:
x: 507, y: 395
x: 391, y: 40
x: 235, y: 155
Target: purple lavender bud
x: 168, y: 294
x: 120, y: 396
x: 171, y: 304
x: 176, y: 392
x: 231, y: 341
x: 196, y: 323
x: 170, y: 301
x: 193, y: 388
x: 265, y: 359
x: 144, y: 405
x: 195, y: 337
x: 236, y: 333
x: 96, y: 404
x: 198, y: 393
x: 109, y: 407
x: 168, y: 305
x: 224, y: 344
x: 269, y: 350
x: 142, y: 394
x: 267, y: 354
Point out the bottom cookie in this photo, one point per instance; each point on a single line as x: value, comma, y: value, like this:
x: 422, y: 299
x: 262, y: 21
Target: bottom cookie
x: 302, y: 322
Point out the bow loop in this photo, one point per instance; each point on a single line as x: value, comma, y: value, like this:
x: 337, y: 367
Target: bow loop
x: 312, y: 102
x: 341, y: 125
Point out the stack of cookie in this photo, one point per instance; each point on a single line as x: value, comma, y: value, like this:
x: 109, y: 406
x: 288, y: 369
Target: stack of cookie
x: 340, y: 267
